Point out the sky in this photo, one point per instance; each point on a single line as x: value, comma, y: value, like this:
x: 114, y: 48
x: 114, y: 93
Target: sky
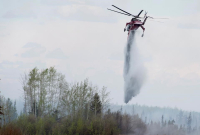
x: 82, y: 39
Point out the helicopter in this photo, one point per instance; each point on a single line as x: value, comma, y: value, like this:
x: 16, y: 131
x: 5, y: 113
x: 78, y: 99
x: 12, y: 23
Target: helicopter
x: 135, y: 22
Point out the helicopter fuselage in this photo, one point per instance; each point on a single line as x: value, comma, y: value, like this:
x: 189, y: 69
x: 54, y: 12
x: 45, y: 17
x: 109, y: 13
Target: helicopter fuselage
x: 134, y: 25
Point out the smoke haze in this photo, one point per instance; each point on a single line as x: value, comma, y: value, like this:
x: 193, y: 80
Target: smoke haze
x: 134, y: 72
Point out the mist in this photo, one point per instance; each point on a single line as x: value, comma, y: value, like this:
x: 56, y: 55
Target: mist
x: 134, y: 71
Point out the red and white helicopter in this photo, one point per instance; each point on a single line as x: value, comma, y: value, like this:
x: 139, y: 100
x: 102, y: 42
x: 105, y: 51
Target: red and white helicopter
x: 135, y: 22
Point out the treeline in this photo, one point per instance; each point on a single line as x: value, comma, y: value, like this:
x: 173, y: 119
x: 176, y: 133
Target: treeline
x: 184, y: 119
x: 169, y: 128
x: 53, y: 106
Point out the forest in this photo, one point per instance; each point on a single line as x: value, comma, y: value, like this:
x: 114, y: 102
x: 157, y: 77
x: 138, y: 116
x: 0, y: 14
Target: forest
x: 53, y: 106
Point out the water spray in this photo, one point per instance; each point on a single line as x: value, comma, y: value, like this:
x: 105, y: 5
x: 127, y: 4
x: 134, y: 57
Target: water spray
x: 134, y: 71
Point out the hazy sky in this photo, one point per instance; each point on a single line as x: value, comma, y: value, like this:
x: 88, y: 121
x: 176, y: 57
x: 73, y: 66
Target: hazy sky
x: 82, y: 39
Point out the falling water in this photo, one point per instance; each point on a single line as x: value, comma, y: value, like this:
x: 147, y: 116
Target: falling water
x: 134, y: 71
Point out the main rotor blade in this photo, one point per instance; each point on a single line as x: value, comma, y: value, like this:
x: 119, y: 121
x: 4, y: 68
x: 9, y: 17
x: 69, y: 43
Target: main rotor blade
x: 119, y: 12
x: 140, y: 13
x: 124, y: 11
x: 156, y: 21
x: 156, y: 18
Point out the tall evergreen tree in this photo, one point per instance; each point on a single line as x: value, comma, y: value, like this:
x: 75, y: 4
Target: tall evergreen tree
x: 96, y: 104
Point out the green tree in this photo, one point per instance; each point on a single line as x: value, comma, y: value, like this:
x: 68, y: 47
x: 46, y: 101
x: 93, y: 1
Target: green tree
x: 96, y: 105
x: 33, y: 83
x: 42, y: 91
